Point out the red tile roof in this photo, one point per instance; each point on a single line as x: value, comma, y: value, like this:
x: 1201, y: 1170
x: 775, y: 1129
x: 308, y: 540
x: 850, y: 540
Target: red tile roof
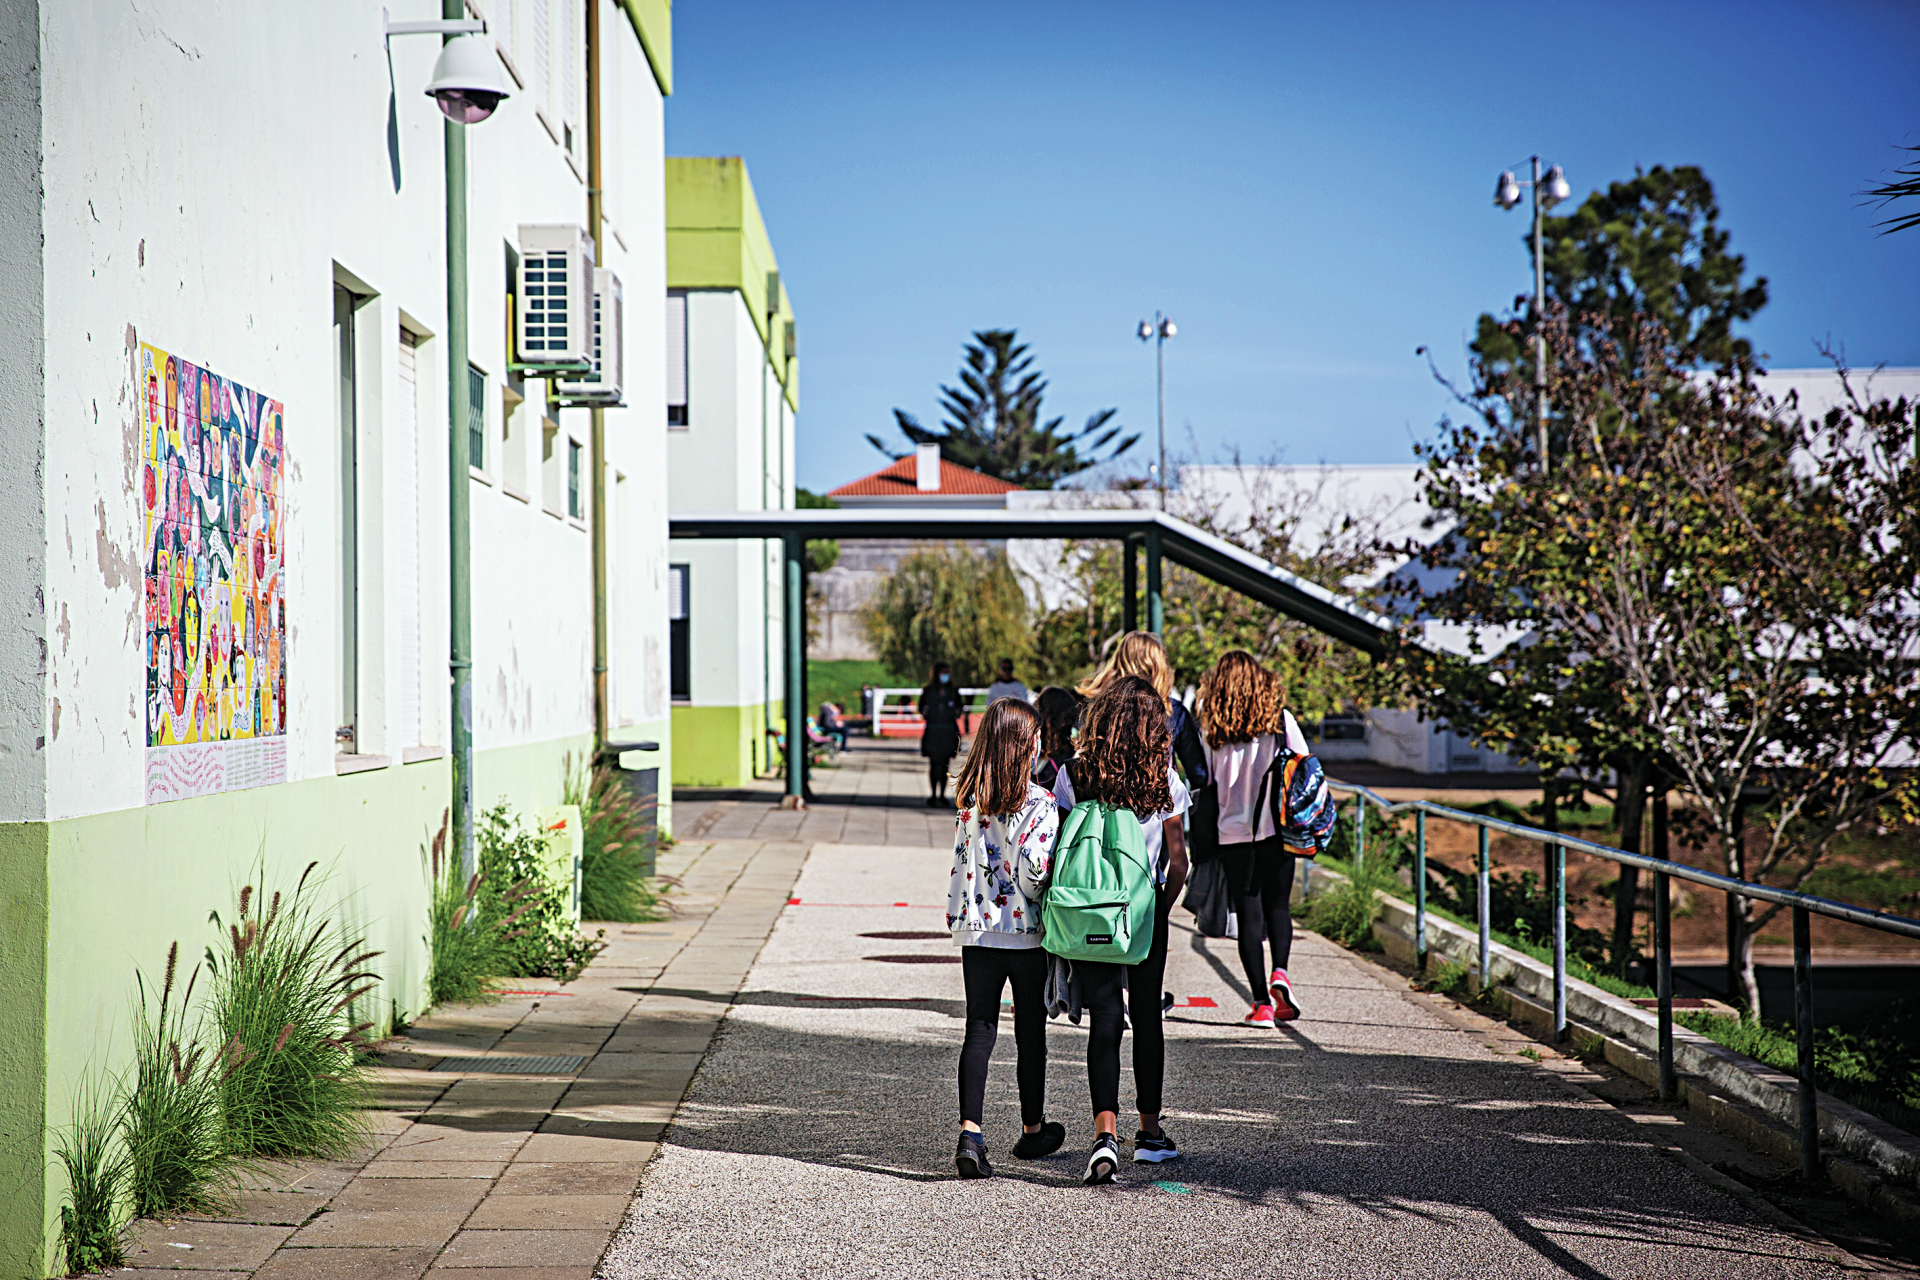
x: 897, y: 481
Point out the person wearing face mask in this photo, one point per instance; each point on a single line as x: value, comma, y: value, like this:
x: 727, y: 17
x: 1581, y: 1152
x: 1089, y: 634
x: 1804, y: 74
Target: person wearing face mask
x: 940, y: 708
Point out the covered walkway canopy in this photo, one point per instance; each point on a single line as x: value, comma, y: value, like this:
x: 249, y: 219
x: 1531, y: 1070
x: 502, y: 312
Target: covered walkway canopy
x: 1337, y: 616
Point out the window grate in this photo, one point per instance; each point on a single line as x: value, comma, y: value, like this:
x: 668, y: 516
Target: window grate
x: 476, y: 417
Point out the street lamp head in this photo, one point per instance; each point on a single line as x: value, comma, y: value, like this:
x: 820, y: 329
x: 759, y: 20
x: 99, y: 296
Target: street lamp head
x: 1145, y: 331
x: 467, y: 83
x: 1555, y: 189
x: 1166, y: 329
x: 1506, y: 192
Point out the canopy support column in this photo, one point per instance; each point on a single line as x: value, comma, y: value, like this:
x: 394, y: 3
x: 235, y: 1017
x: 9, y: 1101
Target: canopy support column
x: 793, y: 618
x: 1156, y: 612
x: 1129, y: 584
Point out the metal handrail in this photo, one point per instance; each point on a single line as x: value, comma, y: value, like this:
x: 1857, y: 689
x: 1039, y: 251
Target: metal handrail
x: 1804, y: 906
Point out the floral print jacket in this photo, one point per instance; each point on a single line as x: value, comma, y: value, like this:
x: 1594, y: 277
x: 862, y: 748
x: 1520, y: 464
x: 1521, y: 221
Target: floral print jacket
x: 1000, y: 867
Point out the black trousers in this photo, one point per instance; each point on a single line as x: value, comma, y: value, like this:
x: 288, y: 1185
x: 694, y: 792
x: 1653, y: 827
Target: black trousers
x: 1261, y: 876
x: 986, y: 970
x: 1100, y: 987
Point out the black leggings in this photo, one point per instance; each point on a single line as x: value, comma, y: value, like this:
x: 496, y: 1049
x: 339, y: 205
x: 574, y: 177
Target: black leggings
x: 1100, y: 988
x: 1261, y: 876
x: 937, y: 767
x: 986, y: 970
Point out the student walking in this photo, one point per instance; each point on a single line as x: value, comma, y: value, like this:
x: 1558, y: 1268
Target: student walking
x: 1003, y: 846
x: 940, y: 710
x: 1059, y: 716
x: 1122, y: 759
x: 1143, y: 654
x: 1246, y: 726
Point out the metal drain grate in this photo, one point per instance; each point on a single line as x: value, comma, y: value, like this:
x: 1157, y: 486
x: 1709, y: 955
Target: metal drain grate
x: 551, y: 1065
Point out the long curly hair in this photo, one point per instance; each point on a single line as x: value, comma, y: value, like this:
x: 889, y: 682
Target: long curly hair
x: 1139, y: 653
x: 995, y: 776
x: 1124, y: 748
x: 1239, y: 700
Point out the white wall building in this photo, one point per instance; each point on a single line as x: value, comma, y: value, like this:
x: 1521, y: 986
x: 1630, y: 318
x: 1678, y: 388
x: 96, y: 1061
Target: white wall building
x: 226, y: 544
x: 731, y: 400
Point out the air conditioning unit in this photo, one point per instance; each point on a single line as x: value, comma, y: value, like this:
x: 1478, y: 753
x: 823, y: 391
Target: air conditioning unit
x: 553, y: 303
x: 602, y: 385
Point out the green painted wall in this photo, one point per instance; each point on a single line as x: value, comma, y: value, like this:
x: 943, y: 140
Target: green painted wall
x: 23, y: 1048
x: 714, y: 746
x: 716, y: 239
x: 653, y: 22
x: 85, y: 902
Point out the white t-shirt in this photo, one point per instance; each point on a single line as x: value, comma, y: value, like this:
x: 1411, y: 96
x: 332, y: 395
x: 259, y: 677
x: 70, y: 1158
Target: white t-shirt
x: 1153, y: 827
x: 1007, y: 689
x: 1236, y: 770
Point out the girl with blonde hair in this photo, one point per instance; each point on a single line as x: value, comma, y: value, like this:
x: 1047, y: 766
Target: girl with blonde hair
x: 1144, y: 654
x: 1246, y: 725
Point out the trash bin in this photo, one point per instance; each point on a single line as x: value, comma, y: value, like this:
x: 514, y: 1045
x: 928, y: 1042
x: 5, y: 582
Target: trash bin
x: 643, y: 784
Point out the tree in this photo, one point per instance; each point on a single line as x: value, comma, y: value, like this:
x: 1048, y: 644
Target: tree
x: 1652, y: 248
x: 948, y: 604
x: 993, y: 420
x: 1708, y: 580
x: 1907, y: 187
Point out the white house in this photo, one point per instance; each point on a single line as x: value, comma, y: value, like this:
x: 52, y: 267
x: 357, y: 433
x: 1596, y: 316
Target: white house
x: 732, y: 393
x: 227, y: 542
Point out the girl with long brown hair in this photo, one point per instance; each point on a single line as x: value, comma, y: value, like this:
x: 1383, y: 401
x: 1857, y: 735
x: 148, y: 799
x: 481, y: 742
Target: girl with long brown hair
x: 1002, y: 852
x: 1122, y: 758
x: 1245, y: 723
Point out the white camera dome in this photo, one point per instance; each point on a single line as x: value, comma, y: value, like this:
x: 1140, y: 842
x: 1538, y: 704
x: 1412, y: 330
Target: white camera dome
x: 466, y: 80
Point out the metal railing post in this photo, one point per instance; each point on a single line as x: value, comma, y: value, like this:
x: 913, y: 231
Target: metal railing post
x: 1559, y: 942
x: 1359, y: 831
x: 1803, y: 1016
x: 1420, y: 891
x: 1486, y: 895
x: 1663, y: 982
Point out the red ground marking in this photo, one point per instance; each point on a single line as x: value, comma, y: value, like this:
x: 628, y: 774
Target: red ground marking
x: 1195, y: 1002
x: 915, y: 906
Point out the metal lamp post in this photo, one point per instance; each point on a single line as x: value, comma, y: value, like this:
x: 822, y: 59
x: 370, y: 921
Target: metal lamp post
x: 1159, y: 329
x: 467, y: 86
x: 1548, y: 190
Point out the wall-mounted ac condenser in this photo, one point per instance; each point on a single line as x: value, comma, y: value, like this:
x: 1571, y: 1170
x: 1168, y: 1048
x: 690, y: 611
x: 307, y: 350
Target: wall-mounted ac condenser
x: 553, y: 304
x: 602, y: 385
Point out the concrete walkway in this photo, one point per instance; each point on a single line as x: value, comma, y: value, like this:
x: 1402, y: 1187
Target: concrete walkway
x: 1376, y: 1137
x: 513, y: 1176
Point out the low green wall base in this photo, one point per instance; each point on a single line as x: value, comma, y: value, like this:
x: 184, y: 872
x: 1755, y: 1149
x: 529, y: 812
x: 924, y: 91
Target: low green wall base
x: 718, y: 746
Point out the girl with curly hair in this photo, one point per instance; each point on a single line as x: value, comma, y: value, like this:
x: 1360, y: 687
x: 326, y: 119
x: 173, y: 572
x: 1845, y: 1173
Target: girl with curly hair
x: 1244, y: 720
x: 1123, y: 758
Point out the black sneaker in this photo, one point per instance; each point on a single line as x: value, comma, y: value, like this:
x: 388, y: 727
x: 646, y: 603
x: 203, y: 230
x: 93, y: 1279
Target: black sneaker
x: 970, y: 1156
x: 1045, y: 1142
x: 1154, y: 1150
x: 1166, y: 1001
x: 1102, y: 1160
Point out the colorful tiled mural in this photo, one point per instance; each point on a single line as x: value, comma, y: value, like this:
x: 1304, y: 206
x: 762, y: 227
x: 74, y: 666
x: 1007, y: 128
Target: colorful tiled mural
x: 216, y: 607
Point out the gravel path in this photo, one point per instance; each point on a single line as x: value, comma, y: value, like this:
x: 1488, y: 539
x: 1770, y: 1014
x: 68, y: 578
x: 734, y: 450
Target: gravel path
x: 1369, y: 1139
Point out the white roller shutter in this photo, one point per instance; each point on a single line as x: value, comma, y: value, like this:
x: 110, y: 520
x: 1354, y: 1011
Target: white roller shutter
x: 676, y: 359
x: 405, y: 543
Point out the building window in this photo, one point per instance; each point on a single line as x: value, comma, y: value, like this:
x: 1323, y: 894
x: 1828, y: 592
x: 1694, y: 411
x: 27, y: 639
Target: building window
x: 345, y: 406
x: 679, y: 666
x: 677, y: 361
x: 476, y: 418
x: 575, y: 501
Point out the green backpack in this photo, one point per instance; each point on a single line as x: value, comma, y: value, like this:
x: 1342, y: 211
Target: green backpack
x: 1100, y: 901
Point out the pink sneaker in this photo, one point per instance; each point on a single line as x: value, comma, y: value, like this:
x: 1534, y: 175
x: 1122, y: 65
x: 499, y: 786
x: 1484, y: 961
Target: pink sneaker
x: 1262, y: 1016
x: 1285, y: 1007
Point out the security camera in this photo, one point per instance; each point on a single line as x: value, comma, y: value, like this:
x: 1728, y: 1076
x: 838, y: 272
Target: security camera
x: 466, y: 80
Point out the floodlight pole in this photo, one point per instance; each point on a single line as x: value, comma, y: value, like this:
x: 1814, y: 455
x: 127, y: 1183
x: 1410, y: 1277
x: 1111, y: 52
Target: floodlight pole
x: 1539, y: 300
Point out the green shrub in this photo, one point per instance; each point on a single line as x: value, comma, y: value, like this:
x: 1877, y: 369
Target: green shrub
x: 1878, y: 1072
x: 1345, y: 913
x: 522, y: 908
x: 615, y: 832
x: 170, y: 1124
x: 91, y: 1218
x: 1449, y: 978
x: 291, y: 1083
x: 463, y: 956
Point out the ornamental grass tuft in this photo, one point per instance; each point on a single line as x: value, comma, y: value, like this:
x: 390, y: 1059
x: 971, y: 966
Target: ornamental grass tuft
x: 170, y: 1122
x: 616, y: 830
x: 91, y: 1217
x: 464, y: 956
x: 289, y: 1077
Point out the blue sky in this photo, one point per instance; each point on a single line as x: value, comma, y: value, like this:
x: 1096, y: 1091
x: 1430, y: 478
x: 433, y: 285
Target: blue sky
x: 1306, y: 189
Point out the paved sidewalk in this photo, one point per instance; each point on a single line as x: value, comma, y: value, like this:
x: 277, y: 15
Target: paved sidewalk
x: 517, y: 1176
x: 875, y: 794
x: 1376, y: 1137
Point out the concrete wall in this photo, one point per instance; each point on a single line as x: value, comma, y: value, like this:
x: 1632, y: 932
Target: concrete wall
x: 203, y: 177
